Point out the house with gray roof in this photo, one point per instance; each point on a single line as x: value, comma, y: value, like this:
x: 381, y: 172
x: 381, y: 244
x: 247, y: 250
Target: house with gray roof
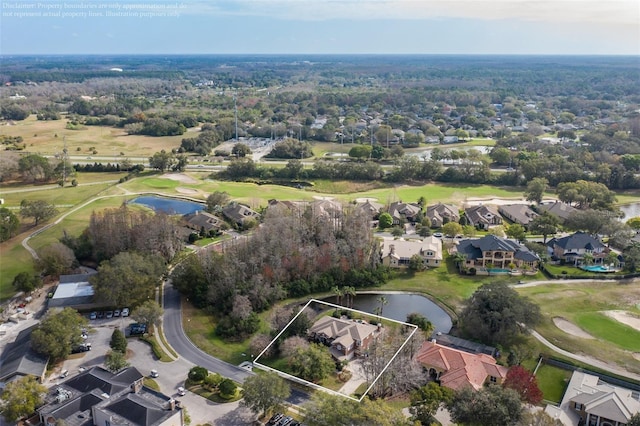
x: 97, y: 397
x: 201, y: 220
x: 572, y: 248
x: 521, y: 214
x: 483, y: 216
x: 404, y: 212
x: 440, y: 213
x: 239, y: 213
x: 398, y: 253
x: 346, y: 338
x: 18, y: 359
x: 370, y: 207
x: 590, y: 401
x: 557, y: 208
x: 491, y: 251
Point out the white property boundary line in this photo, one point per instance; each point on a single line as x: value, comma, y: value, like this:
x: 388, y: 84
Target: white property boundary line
x: 322, y: 388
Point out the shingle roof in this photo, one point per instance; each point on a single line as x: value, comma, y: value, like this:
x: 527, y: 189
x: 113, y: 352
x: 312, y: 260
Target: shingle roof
x: 521, y: 213
x: 402, y: 249
x: 18, y: 359
x: 579, y: 240
x: 460, y: 369
x: 473, y: 248
x: 478, y: 214
x: 557, y: 208
x: 344, y: 331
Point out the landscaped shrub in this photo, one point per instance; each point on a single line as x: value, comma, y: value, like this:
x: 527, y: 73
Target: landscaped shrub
x: 213, y: 380
x: 227, y: 389
x: 118, y: 341
x: 197, y: 374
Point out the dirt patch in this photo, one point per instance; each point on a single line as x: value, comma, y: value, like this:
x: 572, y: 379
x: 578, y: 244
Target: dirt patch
x: 563, y: 294
x: 625, y: 318
x: 186, y: 190
x: 364, y: 200
x: 318, y: 197
x: 571, y: 328
x: 180, y: 177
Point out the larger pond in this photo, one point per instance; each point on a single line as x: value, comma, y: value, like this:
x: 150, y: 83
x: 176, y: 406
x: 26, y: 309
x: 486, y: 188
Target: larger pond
x: 399, y: 305
x: 168, y: 205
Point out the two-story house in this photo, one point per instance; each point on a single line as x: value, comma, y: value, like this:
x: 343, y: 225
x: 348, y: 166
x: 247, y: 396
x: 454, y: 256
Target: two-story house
x: 491, y: 251
x: 483, y: 217
x: 572, y: 248
x: 440, y: 213
x: 398, y: 253
x: 345, y: 338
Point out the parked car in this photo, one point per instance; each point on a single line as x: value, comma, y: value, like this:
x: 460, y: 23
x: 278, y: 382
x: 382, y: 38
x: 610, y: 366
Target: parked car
x: 100, y: 314
x: 116, y: 313
x: 93, y: 315
x: 438, y: 234
x: 64, y: 373
x: 182, y: 391
x: 275, y: 418
x: 83, y: 347
x: 109, y: 314
x: 136, y: 328
x: 125, y: 312
x: 154, y: 373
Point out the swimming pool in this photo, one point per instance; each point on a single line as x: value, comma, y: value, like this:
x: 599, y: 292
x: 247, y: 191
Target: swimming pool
x: 498, y: 271
x: 596, y: 268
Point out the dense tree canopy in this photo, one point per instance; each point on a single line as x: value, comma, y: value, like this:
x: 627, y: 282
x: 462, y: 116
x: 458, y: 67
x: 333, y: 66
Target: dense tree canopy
x: 9, y: 224
x: 58, y: 333
x: 21, y: 398
x: 490, y: 406
x: 496, y: 314
x: 39, y: 210
x: 329, y: 410
x: 265, y: 392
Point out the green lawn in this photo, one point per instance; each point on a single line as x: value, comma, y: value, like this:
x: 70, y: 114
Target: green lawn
x: 13, y: 260
x: 552, y: 381
x: 603, y: 327
x: 576, y: 272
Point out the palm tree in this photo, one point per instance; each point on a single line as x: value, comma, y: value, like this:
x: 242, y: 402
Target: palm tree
x: 383, y: 301
x: 458, y: 259
x: 350, y: 293
x: 339, y: 293
x: 587, y: 258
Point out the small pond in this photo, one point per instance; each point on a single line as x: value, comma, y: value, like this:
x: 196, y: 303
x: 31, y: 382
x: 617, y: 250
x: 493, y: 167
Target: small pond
x: 168, y: 205
x: 400, y: 305
x: 630, y: 210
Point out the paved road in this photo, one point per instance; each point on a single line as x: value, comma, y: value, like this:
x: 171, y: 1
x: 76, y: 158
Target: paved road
x: 176, y: 337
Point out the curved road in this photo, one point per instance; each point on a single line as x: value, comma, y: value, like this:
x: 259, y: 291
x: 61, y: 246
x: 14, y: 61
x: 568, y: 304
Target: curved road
x: 176, y: 337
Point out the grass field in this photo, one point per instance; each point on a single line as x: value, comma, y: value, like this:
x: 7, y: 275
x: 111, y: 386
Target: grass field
x: 605, y: 328
x: 552, y: 381
x: 40, y: 137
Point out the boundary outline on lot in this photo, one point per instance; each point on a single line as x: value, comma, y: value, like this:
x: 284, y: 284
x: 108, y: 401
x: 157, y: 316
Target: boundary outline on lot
x: 322, y: 388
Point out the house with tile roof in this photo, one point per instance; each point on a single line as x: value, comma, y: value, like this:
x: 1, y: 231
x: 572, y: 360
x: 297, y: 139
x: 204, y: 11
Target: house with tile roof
x: 98, y: 397
x: 398, y: 253
x: 572, y: 248
x: 345, y: 338
x: 495, y: 252
x: 440, y: 213
x: 457, y: 369
x: 483, y: 217
x: 591, y: 401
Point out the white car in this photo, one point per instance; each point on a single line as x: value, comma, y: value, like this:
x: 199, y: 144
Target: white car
x: 154, y: 373
x: 125, y: 312
x: 182, y: 391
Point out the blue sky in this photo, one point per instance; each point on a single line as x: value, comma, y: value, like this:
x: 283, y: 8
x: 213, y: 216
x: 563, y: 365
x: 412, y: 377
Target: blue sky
x: 320, y: 26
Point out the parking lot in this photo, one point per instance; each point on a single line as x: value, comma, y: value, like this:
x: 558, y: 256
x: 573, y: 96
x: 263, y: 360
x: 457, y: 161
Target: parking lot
x: 171, y: 375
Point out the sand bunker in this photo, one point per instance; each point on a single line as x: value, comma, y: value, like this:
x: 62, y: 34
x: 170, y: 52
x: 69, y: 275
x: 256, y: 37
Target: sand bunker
x: 186, y: 190
x: 571, y: 328
x: 180, y: 177
x: 364, y: 200
x: 624, y: 317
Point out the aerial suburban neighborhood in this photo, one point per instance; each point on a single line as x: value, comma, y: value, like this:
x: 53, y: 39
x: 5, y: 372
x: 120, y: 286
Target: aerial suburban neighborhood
x: 382, y: 240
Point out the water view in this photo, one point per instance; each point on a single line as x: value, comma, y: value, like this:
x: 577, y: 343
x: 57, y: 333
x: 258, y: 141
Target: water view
x: 168, y: 205
x: 400, y: 305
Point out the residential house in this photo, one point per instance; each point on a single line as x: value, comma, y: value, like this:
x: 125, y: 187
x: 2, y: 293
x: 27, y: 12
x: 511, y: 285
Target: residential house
x: 450, y: 139
x: 201, y: 220
x: 591, y: 401
x: 440, y: 214
x: 97, y: 397
x: 557, y: 208
x: 239, y: 213
x: 372, y: 208
x: 457, y: 369
x: 483, y: 217
x: 518, y: 213
x: 18, y: 359
x: 491, y: 251
x: 404, y: 212
x: 346, y: 338
x: 398, y: 253
x: 572, y: 248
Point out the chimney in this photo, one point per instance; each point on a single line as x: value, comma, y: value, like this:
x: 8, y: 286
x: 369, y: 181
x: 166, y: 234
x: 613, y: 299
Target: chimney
x: 392, y: 249
x: 172, y: 404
